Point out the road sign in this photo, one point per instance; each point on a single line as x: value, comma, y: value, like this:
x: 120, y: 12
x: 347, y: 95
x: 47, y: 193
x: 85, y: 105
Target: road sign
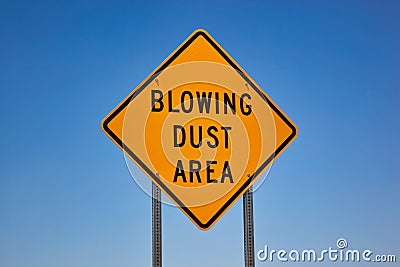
x: 200, y: 128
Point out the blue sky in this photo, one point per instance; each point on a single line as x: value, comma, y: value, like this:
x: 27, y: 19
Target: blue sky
x: 66, y: 195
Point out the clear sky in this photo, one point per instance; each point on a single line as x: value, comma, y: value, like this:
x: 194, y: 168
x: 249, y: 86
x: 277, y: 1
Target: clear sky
x: 66, y: 195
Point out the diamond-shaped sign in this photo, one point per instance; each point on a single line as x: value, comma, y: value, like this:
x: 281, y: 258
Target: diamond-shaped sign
x: 200, y: 128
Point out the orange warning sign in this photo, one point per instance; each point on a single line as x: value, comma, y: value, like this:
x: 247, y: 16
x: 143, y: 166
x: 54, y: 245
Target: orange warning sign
x: 200, y: 128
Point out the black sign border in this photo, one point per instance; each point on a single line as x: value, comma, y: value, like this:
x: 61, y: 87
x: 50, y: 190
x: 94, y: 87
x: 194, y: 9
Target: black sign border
x: 154, y: 176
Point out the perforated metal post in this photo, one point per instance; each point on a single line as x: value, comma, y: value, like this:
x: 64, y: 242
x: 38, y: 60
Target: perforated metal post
x: 248, y: 228
x: 156, y: 227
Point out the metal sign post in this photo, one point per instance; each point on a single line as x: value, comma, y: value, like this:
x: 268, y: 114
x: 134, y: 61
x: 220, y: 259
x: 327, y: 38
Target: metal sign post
x: 248, y: 228
x: 156, y: 227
